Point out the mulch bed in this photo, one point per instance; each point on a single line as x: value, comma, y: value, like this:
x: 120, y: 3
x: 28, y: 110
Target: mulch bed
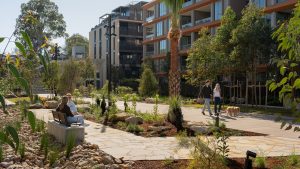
x: 234, y: 163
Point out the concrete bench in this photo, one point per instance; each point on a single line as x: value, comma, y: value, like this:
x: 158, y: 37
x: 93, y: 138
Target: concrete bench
x: 61, y: 132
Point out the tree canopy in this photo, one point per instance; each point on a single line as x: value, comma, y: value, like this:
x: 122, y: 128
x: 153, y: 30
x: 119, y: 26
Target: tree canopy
x: 40, y: 19
x: 76, y: 40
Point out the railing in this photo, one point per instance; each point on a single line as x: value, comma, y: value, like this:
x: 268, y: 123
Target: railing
x: 149, y: 36
x: 186, y: 4
x: 201, y: 21
x: 150, y: 18
x: 185, y: 46
x: 149, y: 53
x: 187, y: 25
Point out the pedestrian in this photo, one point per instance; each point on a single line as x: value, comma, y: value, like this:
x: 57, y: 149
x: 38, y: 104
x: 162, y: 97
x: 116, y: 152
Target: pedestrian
x: 217, y: 98
x: 206, y: 92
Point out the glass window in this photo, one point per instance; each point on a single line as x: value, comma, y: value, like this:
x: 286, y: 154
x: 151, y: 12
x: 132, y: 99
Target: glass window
x: 163, y: 46
x: 260, y: 3
x: 218, y: 10
x: 100, y: 45
x: 159, y: 29
x: 162, y: 9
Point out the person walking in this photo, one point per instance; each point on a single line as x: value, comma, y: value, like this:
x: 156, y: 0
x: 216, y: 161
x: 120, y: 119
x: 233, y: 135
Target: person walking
x: 206, y: 93
x: 217, y: 99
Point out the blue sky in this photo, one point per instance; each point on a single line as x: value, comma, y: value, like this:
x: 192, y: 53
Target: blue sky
x: 80, y: 15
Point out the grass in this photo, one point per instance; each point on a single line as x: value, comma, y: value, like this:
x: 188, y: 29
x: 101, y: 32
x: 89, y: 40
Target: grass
x: 260, y: 162
x: 18, y: 99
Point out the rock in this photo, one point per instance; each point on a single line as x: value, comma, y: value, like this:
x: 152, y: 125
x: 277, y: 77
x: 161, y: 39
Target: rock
x: 5, y: 164
x: 118, y: 160
x: 15, y: 166
x: 200, y: 129
x: 150, y: 100
x: 83, y: 163
x: 51, y: 104
x: 134, y: 120
x: 121, y: 116
x: 36, y: 106
x: 99, y: 166
x: 107, y: 159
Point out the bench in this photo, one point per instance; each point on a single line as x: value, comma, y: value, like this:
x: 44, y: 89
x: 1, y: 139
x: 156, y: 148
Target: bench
x: 61, y: 129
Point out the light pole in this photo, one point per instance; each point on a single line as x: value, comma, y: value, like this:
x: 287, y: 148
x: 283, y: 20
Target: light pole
x: 108, y: 18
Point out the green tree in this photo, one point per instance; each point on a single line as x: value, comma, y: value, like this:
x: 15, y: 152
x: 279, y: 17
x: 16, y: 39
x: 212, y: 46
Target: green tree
x: 70, y: 76
x: 51, y: 78
x: 87, y: 70
x: 40, y: 19
x: 203, y: 62
x: 76, y: 40
x: 174, y: 37
x: 252, y: 42
x: 148, y: 85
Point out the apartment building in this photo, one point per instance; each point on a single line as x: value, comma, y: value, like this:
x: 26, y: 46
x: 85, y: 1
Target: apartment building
x: 126, y: 45
x: 195, y: 14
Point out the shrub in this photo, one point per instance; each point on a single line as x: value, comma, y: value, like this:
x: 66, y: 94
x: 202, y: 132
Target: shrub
x: 24, y: 106
x: 32, y: 121
x: 260, y: 162
x: 22, y: 151
x: 293, y: 159
x: 122, y: 125
x: 40, y: 126
x: 76, y: 94
x: 126, y: 99
x: 53, y: 156
x: 44, y: 142
x: 151, y: 118
x: 155, y: 108
x: 70, y: 145
x: 133, y: 128
x: 134, y: 100
x: 148, y: 85
x: 122, y: 90
x: 175, y: 114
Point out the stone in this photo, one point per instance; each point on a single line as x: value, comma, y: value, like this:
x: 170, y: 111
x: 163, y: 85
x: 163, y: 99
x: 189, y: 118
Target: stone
x: 134, y: 120
x: 51, y: 104
x: 83, y: 163
x: 15, y: 166
x: 150, y: 100
x: 200, y: 129
x: 107, y: 159
x: 36, y: 106
x: 5, y: 164
x: 121, y: 116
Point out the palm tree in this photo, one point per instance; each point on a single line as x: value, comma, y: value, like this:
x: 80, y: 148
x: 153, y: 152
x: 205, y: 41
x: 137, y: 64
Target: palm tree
x: 174, y: 36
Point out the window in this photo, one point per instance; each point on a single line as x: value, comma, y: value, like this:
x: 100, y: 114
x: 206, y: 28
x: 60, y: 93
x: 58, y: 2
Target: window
x: 260, y: 3
x: 100, y: 45
x: 162, y: 9
x: 218, y: 10
x: 95, y: 33
x: 163, y: 46
x: 159, y: 29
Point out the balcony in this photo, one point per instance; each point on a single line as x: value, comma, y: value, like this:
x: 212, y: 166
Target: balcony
x: 150, y: 18
x: 186, y: 4
x: 187, y: 25
x: 202, y: 21
x: 150, y: 53
x: 150, y: 36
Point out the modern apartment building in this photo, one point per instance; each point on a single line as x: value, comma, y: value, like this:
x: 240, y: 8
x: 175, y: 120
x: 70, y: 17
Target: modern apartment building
x: 195, y: 15
x: 126, y: 45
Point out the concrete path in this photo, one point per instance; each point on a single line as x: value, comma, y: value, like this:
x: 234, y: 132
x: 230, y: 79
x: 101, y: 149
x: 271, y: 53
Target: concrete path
x: 122, y: 144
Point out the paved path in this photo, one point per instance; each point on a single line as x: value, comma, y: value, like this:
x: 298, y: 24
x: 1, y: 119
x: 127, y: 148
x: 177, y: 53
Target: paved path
x: 122, y: 144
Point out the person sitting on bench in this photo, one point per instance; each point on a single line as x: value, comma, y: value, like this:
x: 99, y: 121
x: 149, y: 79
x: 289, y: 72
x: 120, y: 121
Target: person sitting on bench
x: 64, y: 108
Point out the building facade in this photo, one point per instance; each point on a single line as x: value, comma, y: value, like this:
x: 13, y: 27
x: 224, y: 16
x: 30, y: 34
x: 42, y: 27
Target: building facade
x: 195, y: 15
x: 126, y: 44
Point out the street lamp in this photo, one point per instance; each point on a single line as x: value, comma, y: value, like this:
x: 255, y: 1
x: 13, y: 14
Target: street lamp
x: 109, y: 34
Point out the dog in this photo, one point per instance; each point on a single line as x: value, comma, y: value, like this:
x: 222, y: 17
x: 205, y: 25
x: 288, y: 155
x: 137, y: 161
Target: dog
x: 232, y: 111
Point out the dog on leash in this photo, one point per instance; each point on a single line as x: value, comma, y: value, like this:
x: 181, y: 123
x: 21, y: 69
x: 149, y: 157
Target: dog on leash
x: 232, y: 111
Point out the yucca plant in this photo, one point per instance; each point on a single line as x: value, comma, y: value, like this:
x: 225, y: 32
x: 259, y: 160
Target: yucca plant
x: 175, y: 114
x: 32, y: 120
x: 10, y: 136
x: 40, y: 126
x: 44, y: 141
x: 70, y: 145
x: 22, y: 151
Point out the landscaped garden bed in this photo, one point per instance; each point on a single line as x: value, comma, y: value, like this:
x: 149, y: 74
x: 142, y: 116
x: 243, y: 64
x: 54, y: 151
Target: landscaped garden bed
x: 40, y: 150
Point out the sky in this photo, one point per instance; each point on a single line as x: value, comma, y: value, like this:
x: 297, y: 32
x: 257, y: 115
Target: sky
x: 80, y: 16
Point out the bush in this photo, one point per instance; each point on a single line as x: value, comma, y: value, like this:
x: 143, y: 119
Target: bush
x: 148, y: 85
x: 122, y: 90
x: 260, y: 162
x: 175, y: 114
x: 70, y: 145
x: 133, y: 128
x: 293, y: 160
x: 122, y: 125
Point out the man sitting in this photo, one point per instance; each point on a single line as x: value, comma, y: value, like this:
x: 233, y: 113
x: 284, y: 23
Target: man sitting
x: 71, y: 117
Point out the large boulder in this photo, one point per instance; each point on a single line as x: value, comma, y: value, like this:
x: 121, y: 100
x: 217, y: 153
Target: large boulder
x: 36, y: 106
x: 51, y: 104
x: 122, y: 116
x: 134, y: 120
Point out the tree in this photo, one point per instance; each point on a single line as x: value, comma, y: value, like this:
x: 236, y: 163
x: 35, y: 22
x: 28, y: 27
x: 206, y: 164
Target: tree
x: 148, y: 85
x: 51, y: 78
x: 87, y: 70
x: 174, y: 36
x: 76, y: 40
x: 252, y: 42
x: 70, y: 77
x: 203, y: 61
x: 40, y: 19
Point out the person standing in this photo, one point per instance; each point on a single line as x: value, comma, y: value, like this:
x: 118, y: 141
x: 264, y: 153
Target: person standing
x: 217, y: 98
x: 206, y: 93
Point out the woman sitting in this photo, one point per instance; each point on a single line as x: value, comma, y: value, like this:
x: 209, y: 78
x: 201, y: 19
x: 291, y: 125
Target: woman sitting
x: 64, y: 108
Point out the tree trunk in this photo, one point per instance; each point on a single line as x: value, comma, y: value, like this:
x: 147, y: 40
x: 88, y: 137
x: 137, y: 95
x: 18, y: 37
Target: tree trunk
x: 174, y: 74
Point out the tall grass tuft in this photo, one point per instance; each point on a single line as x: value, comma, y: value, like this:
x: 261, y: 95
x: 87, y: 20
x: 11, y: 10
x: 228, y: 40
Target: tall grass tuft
x: 32, y: 120
x: 22, y: 151
x: 53, y: 156
x: 70, y: 145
